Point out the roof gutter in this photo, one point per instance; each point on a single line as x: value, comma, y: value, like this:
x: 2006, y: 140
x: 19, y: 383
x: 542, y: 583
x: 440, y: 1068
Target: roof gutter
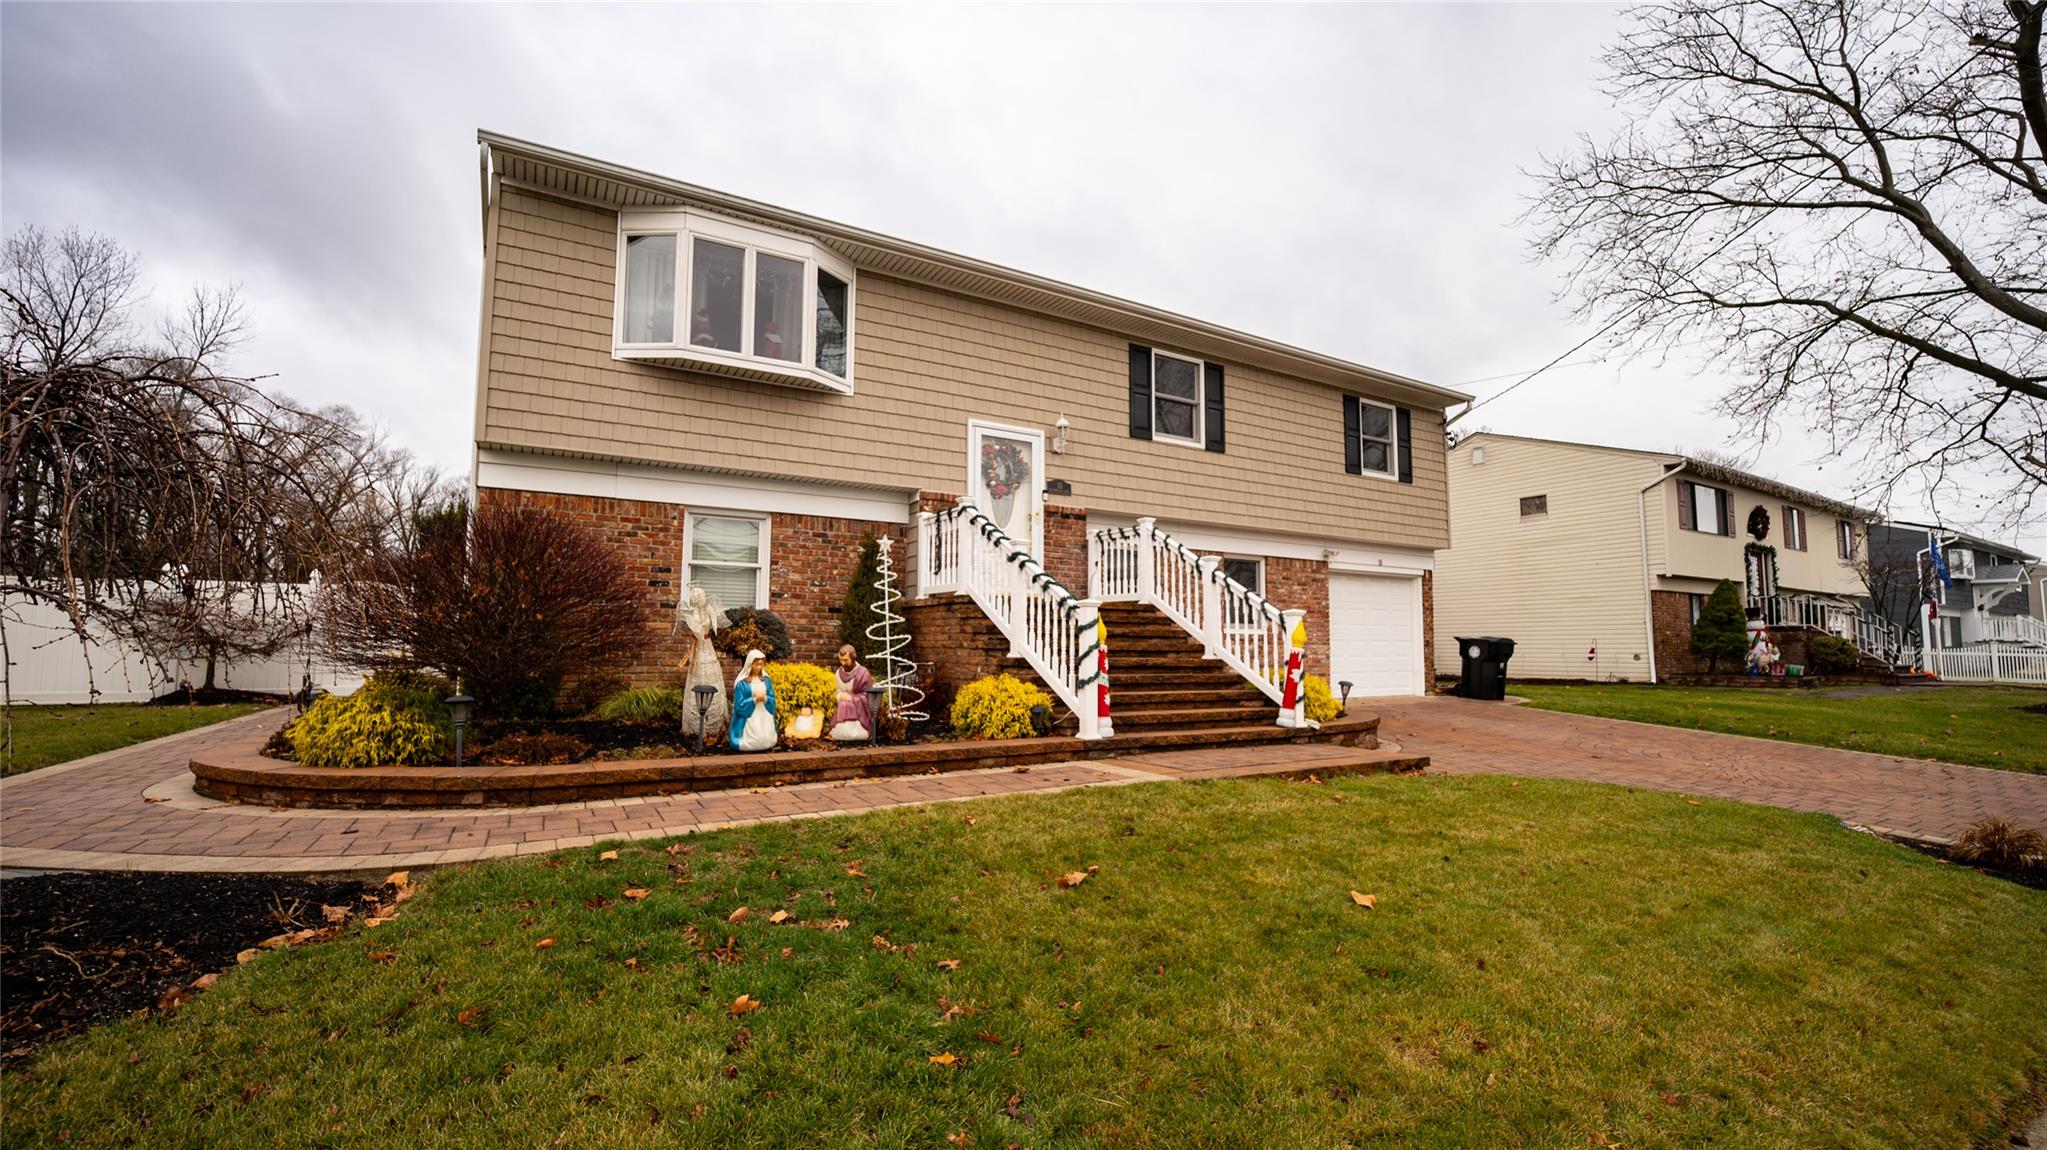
x: 1648, y: 588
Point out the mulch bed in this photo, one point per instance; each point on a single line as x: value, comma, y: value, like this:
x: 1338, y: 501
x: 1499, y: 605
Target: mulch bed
x: 202, y: 697
x: 2035, y: 878
x: 80, y: 948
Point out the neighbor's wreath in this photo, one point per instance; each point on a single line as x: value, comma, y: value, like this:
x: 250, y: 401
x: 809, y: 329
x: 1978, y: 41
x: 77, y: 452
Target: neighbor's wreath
x: 1003, y: 468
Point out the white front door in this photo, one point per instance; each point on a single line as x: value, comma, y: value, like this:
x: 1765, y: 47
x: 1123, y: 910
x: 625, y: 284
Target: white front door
x: 1006, y: 480
x: 1375, y: 633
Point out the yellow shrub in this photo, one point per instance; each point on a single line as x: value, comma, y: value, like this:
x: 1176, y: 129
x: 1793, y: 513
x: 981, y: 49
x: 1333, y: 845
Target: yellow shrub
x: 996, y: 707
x: 1321, y: 706
x: 390, y: 721
x: 800, y: 685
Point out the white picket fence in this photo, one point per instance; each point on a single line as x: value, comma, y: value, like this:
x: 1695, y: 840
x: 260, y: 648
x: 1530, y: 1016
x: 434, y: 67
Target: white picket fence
x: 47, y: 663
x: 1990, y: 664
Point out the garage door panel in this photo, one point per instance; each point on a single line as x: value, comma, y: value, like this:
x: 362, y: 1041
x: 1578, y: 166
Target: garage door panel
x: 1374, y: 636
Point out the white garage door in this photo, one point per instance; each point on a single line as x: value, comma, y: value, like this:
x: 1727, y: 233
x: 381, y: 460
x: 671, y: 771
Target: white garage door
x: 1375, y: 634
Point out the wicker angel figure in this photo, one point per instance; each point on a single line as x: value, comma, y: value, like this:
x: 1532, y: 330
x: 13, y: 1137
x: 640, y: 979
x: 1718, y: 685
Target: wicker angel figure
x: 700, y: 613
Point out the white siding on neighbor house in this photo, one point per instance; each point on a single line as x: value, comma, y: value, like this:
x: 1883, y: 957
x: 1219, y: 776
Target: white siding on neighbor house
x: 1558, y: 583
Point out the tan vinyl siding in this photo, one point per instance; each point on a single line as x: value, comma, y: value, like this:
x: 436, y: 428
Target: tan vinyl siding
x: 925, y: 361
x: 1697, y: 555
x: 1557, y: 584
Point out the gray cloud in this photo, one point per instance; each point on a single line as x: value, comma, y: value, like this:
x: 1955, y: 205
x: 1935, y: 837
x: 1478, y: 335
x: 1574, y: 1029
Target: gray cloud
x: 1346, y: 178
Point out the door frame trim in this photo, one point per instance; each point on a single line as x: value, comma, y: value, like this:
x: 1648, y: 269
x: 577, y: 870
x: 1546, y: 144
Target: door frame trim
x: 975, y: 429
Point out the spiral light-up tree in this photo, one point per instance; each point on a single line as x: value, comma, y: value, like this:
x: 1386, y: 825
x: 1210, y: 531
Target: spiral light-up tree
x: 891, y: 635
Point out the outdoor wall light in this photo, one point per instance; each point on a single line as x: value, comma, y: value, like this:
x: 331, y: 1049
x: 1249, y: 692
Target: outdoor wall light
x: 458, y: 710
x: 1059, y: 435
x: 703, y: 691
x: 1344, y: 685
x: 874, y: 695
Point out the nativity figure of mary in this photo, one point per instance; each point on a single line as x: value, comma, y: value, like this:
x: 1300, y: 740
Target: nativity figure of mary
x: 853, y: 722
x: 753, y: 707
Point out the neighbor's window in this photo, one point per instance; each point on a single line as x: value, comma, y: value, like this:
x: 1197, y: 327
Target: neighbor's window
x: 1844, y: 538
x: 1534, y: 505
x: 1376, y: 450
x: 1176, y: 398
x: 1703, y: 508
x: 728, y: 557
x: 1698, y: 604
x: 1794, y: 529
x: 711, y: 291
x: 649, y: 289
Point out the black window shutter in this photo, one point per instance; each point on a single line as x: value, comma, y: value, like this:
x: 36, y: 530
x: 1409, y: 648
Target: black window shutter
x: 1684, y: 507
x: 1140, y: 392
x: 1406, y: 423
x: 1353, y: 460
x: 1212, y: 420
x: 1726, y: 513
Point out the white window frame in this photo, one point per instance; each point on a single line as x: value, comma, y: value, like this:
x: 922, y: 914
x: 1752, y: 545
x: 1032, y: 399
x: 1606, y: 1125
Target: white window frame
x: 1795, y: 538
x: 1392, y: 440
x: 689, y: 226
x: 689, y: 537
x: 1200, y: 399
x: 1252, y: 622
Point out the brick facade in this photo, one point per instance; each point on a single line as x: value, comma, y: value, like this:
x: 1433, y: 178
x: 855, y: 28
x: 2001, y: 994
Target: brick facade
x: 810, y: 562
x: 1429, y: 685
x: 1672, y: 616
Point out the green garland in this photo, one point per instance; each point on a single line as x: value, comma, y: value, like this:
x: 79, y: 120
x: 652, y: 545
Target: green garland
x: 1764, y: 553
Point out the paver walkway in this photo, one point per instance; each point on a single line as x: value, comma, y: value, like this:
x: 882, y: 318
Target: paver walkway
x: 1912, y: 798
x: 134, y: 809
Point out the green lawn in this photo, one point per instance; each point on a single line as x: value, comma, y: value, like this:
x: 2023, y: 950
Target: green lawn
x: 1983, y: 726
x: 1549, y: 965
x: 44, y: 736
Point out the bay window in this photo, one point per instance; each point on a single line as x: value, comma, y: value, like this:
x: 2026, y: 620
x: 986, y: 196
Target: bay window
x: 702, y: 291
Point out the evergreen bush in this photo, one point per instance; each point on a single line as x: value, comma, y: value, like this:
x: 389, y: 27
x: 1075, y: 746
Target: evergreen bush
x: 856, y: 610
x: 391, y: 720
x: 996, y: 707
x: 1721, y: 631
x: 753, y: 628
x: 1832, y: 655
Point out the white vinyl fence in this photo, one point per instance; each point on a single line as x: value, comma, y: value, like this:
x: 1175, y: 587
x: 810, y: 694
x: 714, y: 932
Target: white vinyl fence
x: 1990, y: 664
x: 48, y: 664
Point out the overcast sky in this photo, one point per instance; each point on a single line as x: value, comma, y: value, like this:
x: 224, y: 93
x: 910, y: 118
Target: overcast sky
x: 1343, y: 178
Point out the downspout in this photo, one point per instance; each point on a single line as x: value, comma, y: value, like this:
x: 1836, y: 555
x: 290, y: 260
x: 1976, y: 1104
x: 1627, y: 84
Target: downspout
x: 1648, y: 593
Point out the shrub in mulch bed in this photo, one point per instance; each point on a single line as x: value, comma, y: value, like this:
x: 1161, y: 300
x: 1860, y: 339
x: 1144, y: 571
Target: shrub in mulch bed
x: 204, y: 697
x: 81, y: 948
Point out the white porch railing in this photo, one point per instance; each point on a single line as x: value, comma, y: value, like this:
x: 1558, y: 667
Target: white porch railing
x: 1990, y: 664
x: 1235, y: 624
x: 2020, y: 629
x: 961, y: 550
x: 1872, y: 634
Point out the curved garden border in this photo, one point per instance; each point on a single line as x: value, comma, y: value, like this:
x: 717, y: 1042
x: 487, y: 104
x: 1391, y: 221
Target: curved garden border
x: 239, y: 772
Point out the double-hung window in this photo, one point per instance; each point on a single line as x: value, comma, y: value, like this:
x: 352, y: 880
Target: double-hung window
x: 1378, y: 450
x: 727, y: 555
x: 1844, y: 538
x: 1794, y: 529
x: 696, y: 290
x: 1705, y: 509
x: 1176, y: 398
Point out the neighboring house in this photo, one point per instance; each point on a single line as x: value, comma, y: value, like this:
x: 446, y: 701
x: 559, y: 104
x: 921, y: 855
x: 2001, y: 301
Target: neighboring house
x: 735, y: 394
x: 1596, y: 560
x: 1993, y: 594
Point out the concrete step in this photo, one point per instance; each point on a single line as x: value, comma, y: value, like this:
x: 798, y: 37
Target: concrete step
x: 1189, y: 718
x: 1220, y: 694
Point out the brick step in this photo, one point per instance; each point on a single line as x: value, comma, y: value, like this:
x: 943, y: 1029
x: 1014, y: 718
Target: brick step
x: 1191, y: 718
x: 1149, y: 644
x: 1220, y: 694
x: 1122, y: 680
x: 1123, y: 705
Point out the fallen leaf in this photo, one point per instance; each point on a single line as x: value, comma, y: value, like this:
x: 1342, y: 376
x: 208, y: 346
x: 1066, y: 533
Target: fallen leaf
x: 146, y: 799
x: 744, y: 1004
x: 837, y: 924
x: 399, y: 878
x: 376, y: 920
x: 636, y: 893
x: 1671, y: 1099
x: 738, y: 916
x: 205, y: 980
x: 971, y: 820
x: 1073, y: 878
x: 1364, y: 900
x: 948, y: 964
x: 946, y: 1059
x: 853, y: 868
x: 780, y: 917
x: 543, y: 944
x: 383, y: 956
x: 608, y: 856
x: 173, y: 998
x: 334, y: 913
x: 881, y: 943
x: 247, y: 955
x: 1692, y: 802
x: 958, y: 1139
x: 788, y: 951
x: 990, y: 1036
x: 471, y: 1016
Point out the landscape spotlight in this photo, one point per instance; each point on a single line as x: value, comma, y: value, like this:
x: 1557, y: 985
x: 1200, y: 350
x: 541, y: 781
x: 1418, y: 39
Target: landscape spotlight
x: 458, y: 710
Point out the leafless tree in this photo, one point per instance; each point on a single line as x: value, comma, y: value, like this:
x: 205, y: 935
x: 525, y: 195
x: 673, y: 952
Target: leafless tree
x: 148, y: 494
x: 1846, y: 201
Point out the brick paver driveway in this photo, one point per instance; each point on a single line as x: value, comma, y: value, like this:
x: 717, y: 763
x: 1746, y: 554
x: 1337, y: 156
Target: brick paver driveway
x: 1909, y: 797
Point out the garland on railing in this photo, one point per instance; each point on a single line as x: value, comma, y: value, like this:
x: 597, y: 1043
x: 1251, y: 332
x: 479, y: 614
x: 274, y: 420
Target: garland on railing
x: 1215, y: 573
x: 1088, y: 633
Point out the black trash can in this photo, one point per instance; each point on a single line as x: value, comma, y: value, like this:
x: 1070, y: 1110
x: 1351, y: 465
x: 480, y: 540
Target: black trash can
x: 1485, y: 666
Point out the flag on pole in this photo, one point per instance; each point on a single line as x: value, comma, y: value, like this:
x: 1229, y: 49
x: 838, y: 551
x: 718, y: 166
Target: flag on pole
x: 1939, y: 561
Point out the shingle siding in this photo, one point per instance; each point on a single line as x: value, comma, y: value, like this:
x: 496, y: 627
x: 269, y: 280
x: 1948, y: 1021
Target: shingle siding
x: 925, y: 362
